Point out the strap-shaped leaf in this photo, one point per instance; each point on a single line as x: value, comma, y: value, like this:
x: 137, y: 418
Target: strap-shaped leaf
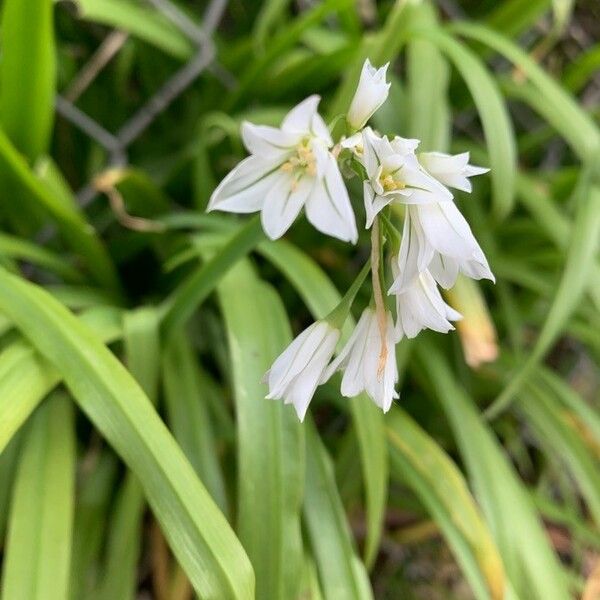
x: 38, y: 553
x: 270, y: 440
x: 28, y: 74
x: 199, y: 535
x: 321, y: 297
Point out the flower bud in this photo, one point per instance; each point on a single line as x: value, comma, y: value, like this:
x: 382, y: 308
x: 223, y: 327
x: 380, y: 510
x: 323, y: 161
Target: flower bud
x: 371, y: 93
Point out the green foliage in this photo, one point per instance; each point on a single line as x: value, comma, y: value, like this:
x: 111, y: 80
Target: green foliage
x: 132, y: 350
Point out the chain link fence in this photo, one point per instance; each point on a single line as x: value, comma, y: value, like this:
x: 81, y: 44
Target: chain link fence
x: 203, y: 59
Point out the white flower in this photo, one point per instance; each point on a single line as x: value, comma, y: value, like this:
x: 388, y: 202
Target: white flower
x: 289, y: 168
x: 368, y: 361
x: 437, y: 237
x: 296, y: 373
x: 371, y: 93
x: 395, y: 175
x: 451, y: 170
x: 421, y: 306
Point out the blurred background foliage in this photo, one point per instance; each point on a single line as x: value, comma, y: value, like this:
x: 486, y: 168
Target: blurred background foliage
x: 117, y: 119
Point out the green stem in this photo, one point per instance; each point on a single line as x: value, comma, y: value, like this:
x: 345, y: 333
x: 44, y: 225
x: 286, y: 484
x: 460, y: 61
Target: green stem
x: 337, y: 317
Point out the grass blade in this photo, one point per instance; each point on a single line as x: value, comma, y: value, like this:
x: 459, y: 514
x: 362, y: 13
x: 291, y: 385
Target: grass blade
x: 198, y: 533
x: 36, y: 565
x: 440, y: 486
x: 28, y: 74
x: 270, y: 439
x: 69, y: 220
x: 321, y: 296
x: 341, y: 572
x: 580, y: 261
x: 573, y: 123
x: 497, y: 127
x: 186, y: 395
x: 142, y: 22
x: 530, y: 563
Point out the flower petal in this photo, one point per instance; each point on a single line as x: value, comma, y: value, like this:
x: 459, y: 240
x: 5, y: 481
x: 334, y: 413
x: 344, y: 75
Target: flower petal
x: 328, y: 207
x: 244, y: 189
x: 283, y: 203
x: 269, y: 142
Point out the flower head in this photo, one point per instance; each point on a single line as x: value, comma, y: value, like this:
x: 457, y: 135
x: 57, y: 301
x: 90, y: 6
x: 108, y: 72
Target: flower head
x: 369, y: 360
x: 297, y: 372
x: 289, y: 168
x: 371, y: 93
x: 394, y: 175
x: 451, y: 170
x: 421, y: 306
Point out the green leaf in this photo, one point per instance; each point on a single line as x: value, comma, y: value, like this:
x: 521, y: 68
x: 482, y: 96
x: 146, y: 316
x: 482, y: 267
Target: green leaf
x: 321, y: 296
x: 17, y: 248
x: 270, y: 439
x: 25, y: 378
x: 530, y: 563
x: 342, y: 575
x: 182, y: 303
x: 38, y: 552
x: 91, y: 509
x: 550, y: 425
x: 580, y: 261
x: 124, y: 543
x: 566, y: 115
x: 497, y: 127
x: 438, y: 483
x: 141, y: 21
x: 199, y: 535
x: 427, y: 73
x: 186, y: 394
x: 28, y: 74
x: 69, y: 220
x: 8, y: 464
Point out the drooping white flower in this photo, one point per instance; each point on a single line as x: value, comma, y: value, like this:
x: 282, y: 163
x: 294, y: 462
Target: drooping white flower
x: 369, y: 361
x: 421, y: 306
x: 437, y: 237
x: 395, y: 175
x: 452, y: 170
x: 371, y: 93
x: 289, y: 168
x: 300, y: 368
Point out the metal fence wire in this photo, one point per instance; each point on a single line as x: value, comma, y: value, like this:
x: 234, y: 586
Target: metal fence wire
x: 204, y: 59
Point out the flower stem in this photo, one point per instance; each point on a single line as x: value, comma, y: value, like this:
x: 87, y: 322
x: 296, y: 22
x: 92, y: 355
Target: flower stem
x: 378, y: 293
x: 337, y: 317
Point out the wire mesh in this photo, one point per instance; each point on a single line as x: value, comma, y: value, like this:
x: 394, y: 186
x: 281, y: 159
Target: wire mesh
x: 204, y: 59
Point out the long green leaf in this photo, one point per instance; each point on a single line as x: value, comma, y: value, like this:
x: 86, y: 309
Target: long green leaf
x: 141, y: 21
x: 198, y: 533
x: 342, y: 575
x: 28, y: 74
x: 94, y: 493
x: 440, y: 486
x: 69, y: 220
x: 178, y: 307
x: 497, y: 127
x: 270, y: 439
x: 530, y: 563
x: 38, y: 553
x: 580, y: 261
x: 142, y: 356
x: 186, y: 396
x: 26, y: 378
x: 321, y: 297
x: 574, y: 124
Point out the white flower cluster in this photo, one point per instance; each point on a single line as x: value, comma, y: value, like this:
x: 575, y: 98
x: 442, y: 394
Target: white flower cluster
x: 296, y: 166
